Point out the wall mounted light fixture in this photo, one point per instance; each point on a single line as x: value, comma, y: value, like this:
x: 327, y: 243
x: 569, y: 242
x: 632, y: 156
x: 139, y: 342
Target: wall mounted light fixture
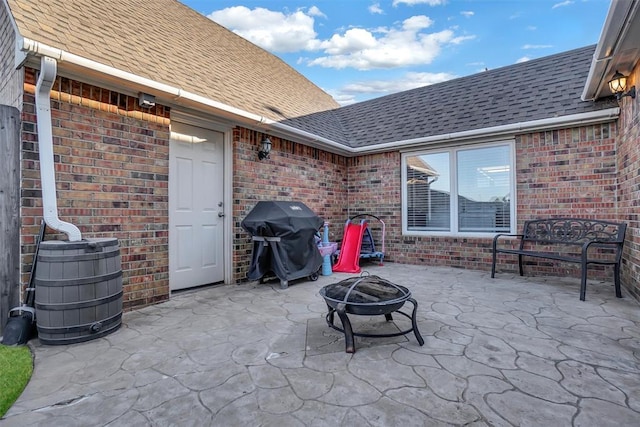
x: 618, y: 85
x: 146, y: 101
x: 265, y: 148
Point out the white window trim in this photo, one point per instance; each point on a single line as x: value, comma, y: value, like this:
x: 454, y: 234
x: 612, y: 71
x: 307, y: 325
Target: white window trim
x: 452, y: 150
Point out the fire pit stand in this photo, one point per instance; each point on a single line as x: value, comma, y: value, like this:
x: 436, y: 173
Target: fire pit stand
x: 368, y: 296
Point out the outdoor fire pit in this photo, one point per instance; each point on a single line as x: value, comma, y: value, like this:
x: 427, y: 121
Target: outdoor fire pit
x: 367, y: 296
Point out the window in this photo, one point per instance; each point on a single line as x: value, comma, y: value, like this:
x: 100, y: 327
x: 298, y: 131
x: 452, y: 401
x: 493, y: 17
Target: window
x: 462, y: 190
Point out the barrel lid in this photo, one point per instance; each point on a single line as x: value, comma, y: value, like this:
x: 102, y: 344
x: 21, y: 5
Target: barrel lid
x: 99, y: 242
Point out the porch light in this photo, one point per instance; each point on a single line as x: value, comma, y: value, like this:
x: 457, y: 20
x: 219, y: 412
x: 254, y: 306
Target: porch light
x: 265, y: 149
x: 618, y: 85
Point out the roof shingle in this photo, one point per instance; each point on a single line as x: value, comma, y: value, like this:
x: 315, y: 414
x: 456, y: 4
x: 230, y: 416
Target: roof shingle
x: 534, y: 90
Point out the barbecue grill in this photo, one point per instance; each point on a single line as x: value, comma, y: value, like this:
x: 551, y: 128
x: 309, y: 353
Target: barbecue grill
x: 283, y: 235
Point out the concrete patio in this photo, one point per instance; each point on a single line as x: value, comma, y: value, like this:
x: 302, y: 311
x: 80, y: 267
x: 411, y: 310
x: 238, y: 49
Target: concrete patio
x: 508, y: 351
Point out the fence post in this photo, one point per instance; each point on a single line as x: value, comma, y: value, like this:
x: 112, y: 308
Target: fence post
x: 9, y: 211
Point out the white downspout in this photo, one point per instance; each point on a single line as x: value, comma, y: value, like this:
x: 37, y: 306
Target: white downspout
x: 48, y: 70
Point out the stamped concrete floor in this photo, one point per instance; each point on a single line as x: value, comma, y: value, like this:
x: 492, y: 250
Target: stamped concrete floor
x: 508, y: 351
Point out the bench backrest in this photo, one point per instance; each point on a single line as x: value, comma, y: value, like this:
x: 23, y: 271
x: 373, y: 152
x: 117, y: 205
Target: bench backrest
x: 576, y: 231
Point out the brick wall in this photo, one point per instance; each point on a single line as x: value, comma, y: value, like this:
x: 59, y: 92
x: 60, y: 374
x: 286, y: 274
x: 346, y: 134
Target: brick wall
x: 112, y: 178
x: 629, y: 176
x: 112, y: 165
x: 567, y: 172
x: 374, y: 189
x: 293, y: 172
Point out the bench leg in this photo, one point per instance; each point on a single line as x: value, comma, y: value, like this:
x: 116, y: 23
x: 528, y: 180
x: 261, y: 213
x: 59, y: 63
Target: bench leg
x: 493, y: 265
x: 583, y: 283
x: 520, y: 265
x: 616, y: 278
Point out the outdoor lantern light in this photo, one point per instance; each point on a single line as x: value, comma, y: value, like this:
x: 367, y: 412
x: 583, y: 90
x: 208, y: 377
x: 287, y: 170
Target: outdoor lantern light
x: 265, y: 150
x: 618, y: 84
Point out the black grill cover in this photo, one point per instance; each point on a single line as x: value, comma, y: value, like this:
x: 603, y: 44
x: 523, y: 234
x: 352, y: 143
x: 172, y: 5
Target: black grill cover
x: 296, y: 253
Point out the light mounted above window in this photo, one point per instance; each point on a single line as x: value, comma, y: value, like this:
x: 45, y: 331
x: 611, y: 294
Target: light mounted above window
x: 618, y: 85
x: 265, y: 149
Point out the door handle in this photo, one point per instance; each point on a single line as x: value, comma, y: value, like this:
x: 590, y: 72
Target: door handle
x: 220, y: 214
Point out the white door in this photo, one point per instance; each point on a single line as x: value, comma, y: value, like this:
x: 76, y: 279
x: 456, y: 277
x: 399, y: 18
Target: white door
x: 195, y: 206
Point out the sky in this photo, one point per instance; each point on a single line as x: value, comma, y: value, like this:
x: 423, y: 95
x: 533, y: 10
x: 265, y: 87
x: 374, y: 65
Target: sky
x: 361, y: 49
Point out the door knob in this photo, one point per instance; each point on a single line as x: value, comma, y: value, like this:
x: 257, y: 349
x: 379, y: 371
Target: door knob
x: 220, y: 214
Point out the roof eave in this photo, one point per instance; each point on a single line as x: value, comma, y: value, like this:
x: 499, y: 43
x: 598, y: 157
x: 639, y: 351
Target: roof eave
x: 617, y: 48
x: 503, y: 131
x: 173, y: 96
x: 110, y: 77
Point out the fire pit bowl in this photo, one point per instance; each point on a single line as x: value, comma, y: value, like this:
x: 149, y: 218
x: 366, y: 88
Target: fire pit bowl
x: 367, y: 296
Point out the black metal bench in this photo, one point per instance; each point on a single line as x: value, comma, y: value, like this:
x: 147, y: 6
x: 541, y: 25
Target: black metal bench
x: 594, y: 241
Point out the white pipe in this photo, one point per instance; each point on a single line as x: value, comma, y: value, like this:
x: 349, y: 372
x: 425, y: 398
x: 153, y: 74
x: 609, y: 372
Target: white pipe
x: 48, y: 70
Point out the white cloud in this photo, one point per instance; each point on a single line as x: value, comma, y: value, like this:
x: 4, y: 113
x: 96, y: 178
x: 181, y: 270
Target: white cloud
x: 523, y: 59
x: 354, y: 40
x: 348, y: 94
x: 460, y: 39
x: 414, y: 2
x: 397, y: 48
x: 467, y: 13
x: 561, y: 4
x: 343, y: 99
x: 409, y: 81
x: 376, y: 9
x: 273, y: 31
x: 537, y: 46
x: 405, y: 44
x: 416, y: 23
x: 314, y: 11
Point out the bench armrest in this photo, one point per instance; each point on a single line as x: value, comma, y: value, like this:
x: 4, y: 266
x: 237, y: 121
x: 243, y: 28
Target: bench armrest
x: 585, y: 247
x: 498, y: 236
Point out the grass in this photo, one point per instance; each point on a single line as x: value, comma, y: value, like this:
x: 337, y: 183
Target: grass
x: 16, y: 366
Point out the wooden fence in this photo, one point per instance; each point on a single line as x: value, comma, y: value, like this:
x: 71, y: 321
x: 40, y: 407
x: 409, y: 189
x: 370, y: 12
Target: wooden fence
x: 9, y: 211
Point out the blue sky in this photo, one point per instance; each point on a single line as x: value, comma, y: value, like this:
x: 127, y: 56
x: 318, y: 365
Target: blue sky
x: 357, y: 50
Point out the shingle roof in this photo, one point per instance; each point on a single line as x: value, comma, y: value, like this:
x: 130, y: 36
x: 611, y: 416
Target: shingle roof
x: 165, y: 41
x: 538, y: 89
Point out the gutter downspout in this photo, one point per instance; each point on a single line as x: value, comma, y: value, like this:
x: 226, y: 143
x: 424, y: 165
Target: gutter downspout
x: 48, y: 70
